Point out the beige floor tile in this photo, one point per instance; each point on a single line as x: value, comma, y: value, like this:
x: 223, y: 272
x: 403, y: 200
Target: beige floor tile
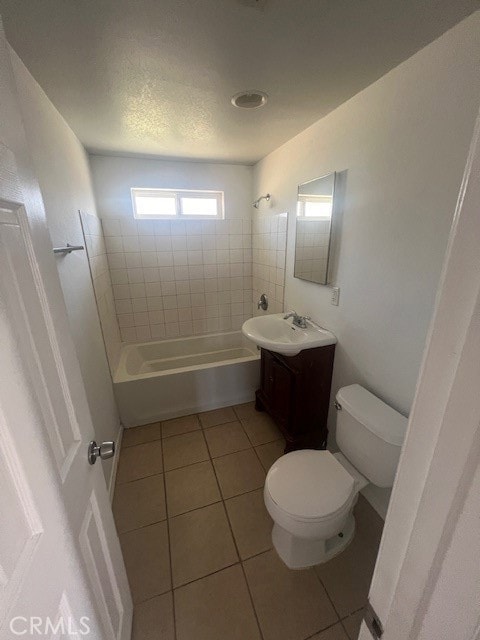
x: 139, y: 435
x: 140, y: 461
x: 270, y: 452
x: 352, y: 624
x: 226, y: 438
x: 180, y: 451
x: 245, y: 410
x: 239, y: 472
x: 139, y: 503
x: 369, y: 523
x: 261, y: 429
x: 217, y: 607
x: 251, y: 523
x: 191, y: 487
x: 146, y: 556
x: 153, y: 619
x: 217, y: 416
x: 332, y: 633
x: 347, y: 577
x: 291, y: 605
x: 178, y: 426
x: 201, y: 542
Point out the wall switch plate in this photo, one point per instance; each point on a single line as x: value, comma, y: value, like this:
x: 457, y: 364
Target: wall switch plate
x: 335, y: 296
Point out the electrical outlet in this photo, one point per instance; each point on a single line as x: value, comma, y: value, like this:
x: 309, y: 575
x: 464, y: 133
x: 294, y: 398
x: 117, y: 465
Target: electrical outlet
x: 335, y: 296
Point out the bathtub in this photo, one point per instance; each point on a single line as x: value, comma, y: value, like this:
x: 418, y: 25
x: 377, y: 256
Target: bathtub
x: 172, y: 378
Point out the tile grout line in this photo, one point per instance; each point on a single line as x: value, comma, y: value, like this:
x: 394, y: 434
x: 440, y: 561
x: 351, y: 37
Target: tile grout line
x: 237, y: 550
x: 342, y: 620
x: 328, y: 595
x: 212, y: 573
x: 169, y: 543
x: 330, y: 626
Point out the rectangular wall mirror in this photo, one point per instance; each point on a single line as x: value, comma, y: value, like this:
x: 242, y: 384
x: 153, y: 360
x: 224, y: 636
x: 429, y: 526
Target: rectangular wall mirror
x: 314, y: 229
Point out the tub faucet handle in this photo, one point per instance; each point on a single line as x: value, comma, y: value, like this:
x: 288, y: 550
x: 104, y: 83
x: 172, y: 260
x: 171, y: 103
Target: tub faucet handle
x: 263, y: 302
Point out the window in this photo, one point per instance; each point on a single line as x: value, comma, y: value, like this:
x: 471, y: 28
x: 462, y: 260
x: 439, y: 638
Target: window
x: 166, y: 204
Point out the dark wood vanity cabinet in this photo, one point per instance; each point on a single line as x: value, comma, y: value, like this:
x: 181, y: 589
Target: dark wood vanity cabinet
x: 295, y: 391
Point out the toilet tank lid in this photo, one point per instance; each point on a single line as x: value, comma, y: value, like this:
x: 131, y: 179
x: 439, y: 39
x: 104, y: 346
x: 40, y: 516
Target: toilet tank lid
x: 373, y: 413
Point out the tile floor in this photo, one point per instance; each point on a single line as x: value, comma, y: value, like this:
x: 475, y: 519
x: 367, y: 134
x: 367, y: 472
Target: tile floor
x: 196, y: 538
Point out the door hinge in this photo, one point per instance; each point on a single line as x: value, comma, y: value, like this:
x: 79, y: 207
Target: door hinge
x: 373, y: 622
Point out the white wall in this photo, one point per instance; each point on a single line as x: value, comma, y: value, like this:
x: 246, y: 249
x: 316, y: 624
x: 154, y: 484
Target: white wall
x: 176, y: 278
x: 403, y: 142
x: 62, y: 170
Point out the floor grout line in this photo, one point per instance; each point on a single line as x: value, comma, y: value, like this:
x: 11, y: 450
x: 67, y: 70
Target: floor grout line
x: 144, y: 526
x: 150, y: 475
x: 328, y: 596
x: 330, y: 626
x: 345, y: 618
x: 137, y: 444
x: 239, y: 556
x: 169, y: 547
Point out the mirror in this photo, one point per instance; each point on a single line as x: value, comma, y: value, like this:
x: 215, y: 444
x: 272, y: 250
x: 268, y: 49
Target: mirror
x: 313, y: 229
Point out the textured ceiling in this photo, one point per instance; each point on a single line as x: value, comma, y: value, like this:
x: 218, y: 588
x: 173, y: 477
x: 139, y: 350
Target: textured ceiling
x: 155, y: 77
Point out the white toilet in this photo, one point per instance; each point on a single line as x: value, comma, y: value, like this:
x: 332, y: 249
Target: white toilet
x: 310, y: 494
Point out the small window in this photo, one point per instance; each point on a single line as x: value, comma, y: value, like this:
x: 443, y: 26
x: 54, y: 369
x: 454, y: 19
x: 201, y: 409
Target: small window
x: 165, y: 204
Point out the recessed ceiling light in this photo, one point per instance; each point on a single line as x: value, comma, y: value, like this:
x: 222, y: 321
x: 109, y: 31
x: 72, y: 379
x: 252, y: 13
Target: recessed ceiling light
x: 249, y: 99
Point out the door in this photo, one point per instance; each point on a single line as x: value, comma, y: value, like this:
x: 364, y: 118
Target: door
x: 61, y: 569
x: 278, y: 384
x: 426, y: 584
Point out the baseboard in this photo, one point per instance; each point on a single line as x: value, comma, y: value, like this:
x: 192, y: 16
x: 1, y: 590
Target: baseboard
x: 113, y: 474
x: 378, y: 498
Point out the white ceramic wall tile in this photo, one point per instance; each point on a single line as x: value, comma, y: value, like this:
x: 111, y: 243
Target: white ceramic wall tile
x: 268, y: 254
x: 177, y: 278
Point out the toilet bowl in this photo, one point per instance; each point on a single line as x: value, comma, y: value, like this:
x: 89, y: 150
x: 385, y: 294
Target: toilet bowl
x: 310, y: 497
x: 310, y: 494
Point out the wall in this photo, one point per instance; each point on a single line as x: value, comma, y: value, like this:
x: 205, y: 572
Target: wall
x: 403, y: 142
x: 102, y: 286
x: 62, y: 170
x: 176, y: 278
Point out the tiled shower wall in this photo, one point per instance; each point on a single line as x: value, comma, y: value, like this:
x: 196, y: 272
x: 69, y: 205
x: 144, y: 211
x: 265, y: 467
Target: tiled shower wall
x: 97, y: 257
x: 269, y: 241
x: 179, y: 278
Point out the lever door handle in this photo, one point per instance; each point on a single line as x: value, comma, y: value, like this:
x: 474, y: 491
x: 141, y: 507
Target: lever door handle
x: 104, y: 451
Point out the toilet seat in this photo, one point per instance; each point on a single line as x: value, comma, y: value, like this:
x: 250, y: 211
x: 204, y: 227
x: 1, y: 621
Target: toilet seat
x: 310, y: 486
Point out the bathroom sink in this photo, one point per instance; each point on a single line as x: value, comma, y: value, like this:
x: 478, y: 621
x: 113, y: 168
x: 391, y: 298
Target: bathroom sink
x: 275, y: 333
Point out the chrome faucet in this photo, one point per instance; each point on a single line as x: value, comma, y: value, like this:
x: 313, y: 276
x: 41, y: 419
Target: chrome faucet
x: 298, y: 321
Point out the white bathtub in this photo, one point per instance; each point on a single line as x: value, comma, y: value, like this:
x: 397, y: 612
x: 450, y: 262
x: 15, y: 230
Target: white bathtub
x: 171, y: 378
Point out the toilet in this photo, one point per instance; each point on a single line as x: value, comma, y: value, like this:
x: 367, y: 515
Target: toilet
x: 311, y: 494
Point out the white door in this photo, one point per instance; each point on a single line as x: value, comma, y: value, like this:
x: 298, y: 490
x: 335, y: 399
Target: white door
x: 426, y: 584
x: 61, y: 569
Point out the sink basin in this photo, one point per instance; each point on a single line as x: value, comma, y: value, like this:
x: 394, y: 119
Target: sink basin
x: 282, y: 336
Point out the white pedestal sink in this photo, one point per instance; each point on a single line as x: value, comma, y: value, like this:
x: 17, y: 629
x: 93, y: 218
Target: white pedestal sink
x: 274, y: 333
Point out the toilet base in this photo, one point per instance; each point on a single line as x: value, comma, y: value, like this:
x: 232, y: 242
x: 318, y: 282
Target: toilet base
x: 302, y: 553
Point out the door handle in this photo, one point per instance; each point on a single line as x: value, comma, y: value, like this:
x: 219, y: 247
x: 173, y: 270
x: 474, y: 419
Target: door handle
x: 104, y: 451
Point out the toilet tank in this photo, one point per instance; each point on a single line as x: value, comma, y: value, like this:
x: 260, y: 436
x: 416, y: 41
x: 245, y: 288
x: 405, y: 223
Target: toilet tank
x: 369, y: 434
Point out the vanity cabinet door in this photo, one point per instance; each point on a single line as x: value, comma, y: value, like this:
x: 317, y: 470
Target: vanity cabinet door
x: 278, y: 385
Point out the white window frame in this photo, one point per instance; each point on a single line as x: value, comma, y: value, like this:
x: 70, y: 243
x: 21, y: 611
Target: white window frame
x: 178, y: 194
